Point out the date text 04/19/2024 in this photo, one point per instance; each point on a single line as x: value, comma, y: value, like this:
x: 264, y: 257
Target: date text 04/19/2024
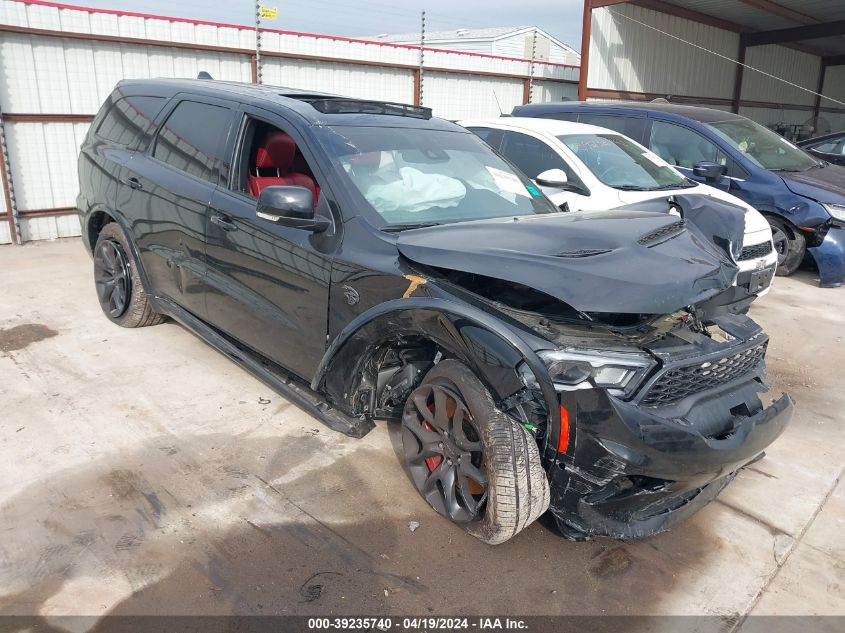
x: 416, y: 623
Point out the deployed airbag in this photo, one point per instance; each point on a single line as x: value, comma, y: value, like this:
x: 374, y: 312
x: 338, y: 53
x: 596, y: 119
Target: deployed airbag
x: 412, y: 191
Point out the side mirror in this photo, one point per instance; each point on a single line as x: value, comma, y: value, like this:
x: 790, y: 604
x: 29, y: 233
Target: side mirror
x: 553, y: 178
x: 711, y: 172
x: 290, y: 206
x: 557, y: 179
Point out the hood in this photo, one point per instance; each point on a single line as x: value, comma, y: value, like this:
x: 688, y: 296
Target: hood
x: 607, y: 261
x: 822, y: 184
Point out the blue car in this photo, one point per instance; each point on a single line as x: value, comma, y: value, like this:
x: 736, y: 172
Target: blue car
x: 803, y: 197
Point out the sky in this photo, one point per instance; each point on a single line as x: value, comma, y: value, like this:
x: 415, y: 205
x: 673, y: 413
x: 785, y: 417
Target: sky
x: 560, y: 18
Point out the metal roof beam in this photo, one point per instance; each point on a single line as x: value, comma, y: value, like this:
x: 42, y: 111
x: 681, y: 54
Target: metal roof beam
x: 702, y: 18
x: 781, y: 11
x: 690, y: 14
x: 796, y: 34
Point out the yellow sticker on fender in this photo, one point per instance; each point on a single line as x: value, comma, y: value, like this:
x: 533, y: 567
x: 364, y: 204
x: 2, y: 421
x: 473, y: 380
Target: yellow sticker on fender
x: 416, y: 282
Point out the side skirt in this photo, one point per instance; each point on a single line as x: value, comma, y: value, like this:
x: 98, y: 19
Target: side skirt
x: 270, y: 374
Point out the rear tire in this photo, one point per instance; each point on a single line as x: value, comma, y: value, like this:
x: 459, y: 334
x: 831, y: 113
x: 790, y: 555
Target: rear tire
x: 472, y: 463
x: 790, y: 246
x: 119, y: 288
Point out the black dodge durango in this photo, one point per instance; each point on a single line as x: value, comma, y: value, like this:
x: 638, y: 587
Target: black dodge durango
x: 371, y: 262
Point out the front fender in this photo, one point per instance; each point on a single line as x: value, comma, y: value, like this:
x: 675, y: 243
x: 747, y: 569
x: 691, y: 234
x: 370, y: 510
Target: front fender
x: 491, y: 349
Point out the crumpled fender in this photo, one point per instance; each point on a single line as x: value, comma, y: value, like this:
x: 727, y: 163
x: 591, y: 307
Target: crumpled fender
x: 480, y: 340
x: 830, y: 258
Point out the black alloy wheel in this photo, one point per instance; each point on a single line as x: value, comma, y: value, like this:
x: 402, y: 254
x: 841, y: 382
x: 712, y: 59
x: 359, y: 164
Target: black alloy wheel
x: 444, y: 452
x: 112, y: 278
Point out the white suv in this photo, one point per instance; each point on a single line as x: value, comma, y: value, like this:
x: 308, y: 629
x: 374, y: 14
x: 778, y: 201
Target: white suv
x: 588, y: 168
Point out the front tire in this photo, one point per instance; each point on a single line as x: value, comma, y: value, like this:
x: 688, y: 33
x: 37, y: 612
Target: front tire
x: 472, y: 463
x: 790, y: 245
x: 119, y: 288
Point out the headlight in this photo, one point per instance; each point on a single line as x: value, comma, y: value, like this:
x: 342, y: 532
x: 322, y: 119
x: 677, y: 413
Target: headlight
x: 620, y: 373
x: 837, y: 211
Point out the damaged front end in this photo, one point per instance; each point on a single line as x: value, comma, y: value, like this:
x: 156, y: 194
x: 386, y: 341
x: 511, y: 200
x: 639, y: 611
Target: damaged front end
x: 653, y: 412
x: 653, y: 419
x: 607, y: 336
x: 653, y: 415
x: 633, y: 463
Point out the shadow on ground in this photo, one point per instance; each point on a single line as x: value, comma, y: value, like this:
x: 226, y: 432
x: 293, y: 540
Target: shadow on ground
x: 218, y: 525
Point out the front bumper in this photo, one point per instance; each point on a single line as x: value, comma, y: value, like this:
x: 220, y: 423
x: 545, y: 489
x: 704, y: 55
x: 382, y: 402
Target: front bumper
x: 830, y: 258
x: 632, y: 471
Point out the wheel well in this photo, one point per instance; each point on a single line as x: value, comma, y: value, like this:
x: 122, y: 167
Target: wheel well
x: 96, y: 223
x: 789, y: 226
x: 395, y: 368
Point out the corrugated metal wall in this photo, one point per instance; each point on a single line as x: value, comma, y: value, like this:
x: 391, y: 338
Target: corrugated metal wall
x: 834, y: 86
x: 786, y: 63
x: 626, y: 56
x: 70, y: 69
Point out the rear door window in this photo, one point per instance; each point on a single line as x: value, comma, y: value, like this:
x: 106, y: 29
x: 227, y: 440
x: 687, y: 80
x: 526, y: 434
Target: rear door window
x: 532, y: 155
x: 683, y: 147
x: 560, y: 116
x: 128, y: 119
x: 631, y: 127
x: 192, y: 138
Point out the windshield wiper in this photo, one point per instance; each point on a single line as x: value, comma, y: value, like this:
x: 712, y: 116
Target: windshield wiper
x: 660, y: 188
x: 683, y: 185
x: 395, y: 228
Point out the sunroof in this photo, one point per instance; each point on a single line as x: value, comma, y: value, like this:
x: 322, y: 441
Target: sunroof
x: 341, y: 105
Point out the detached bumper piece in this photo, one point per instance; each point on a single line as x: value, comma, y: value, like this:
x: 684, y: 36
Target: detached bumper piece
x: 636, y: 468
x: 830, y: 258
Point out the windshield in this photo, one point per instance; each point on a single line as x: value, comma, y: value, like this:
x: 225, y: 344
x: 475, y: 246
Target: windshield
x: 622, y: 164
x: 764, y: 147
x: 419, y: 177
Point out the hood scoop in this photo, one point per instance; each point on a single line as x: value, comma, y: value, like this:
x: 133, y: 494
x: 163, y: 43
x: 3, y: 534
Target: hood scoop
x: 662, y: 234
x: 584, y: 252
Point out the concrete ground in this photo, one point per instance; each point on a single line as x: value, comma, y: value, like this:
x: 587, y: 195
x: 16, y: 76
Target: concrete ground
x: 143, y: 472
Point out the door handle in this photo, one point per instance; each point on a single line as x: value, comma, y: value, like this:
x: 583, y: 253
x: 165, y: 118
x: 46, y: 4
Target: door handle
x: 134, y: 183
x: 223, y: 222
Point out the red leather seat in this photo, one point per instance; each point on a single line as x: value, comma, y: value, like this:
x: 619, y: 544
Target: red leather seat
x: 277, y: 152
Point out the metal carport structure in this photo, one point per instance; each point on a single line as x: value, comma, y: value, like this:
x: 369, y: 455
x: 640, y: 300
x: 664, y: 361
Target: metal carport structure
x: 643, y: 49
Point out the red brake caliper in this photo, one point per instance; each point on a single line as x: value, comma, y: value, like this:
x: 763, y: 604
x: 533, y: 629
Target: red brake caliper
x: 431, y: 462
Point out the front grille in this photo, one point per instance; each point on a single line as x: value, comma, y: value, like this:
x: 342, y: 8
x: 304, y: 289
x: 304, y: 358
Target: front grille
x: 753, y: 252
x: 677, y: 383
x: 662, y: 234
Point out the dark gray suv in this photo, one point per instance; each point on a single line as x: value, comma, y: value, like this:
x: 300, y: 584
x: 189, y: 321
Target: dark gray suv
x: 371, y: 262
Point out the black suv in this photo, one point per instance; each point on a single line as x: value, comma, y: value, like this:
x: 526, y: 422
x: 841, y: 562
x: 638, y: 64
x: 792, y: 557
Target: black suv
x: 371, y: 262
